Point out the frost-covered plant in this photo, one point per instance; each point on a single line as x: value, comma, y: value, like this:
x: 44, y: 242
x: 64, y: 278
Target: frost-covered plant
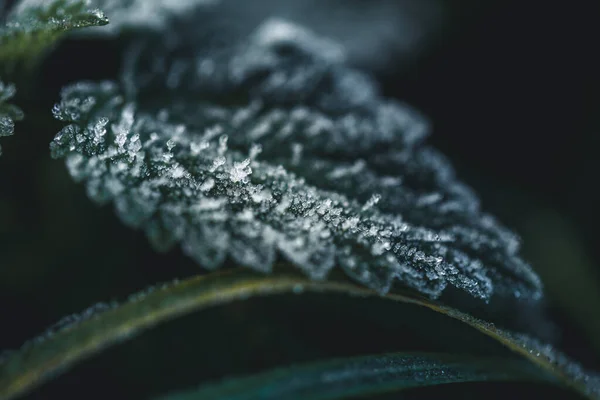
x: 29, y: 29
x: 9, y: 113
x: 268, y: 150
x: 273, y: 146
x: 34, y: 25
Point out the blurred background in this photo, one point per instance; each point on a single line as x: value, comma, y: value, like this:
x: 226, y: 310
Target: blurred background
x: 511, y: 89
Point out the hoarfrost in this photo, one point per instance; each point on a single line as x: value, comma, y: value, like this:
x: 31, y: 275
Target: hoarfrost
x: 130, y: 14
x: 576, y: 373
x: 281, y: 150
x: 573, y: 373
x: 31, y: 17
x: 66, y: 323
x: 8, y: 112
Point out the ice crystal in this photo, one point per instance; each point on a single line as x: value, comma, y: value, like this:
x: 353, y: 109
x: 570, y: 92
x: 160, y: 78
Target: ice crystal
x: 8, y: 112
x: 272, y: 147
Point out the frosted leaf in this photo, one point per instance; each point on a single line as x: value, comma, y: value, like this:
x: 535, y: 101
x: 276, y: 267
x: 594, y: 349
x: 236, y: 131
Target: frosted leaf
x: 66, y: 323
x: 577, y: 376
x: 135, y: 14
x: 271, y: 153
x: 34, y: 25
x: 31, y: 16
x: 8, y: 112
x: 374, y: 33
x: 589, y: 381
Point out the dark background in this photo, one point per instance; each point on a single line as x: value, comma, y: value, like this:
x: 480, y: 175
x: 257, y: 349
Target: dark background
x: 511, y: 89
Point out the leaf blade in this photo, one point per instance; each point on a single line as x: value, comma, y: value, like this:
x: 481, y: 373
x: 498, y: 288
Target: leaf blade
x: 34, y: 26
x: 37, y: 362
x: 367, y: 375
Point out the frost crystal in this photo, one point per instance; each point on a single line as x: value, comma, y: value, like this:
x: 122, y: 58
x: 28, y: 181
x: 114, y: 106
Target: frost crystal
x: 8, y: 113
x: 272, y: 147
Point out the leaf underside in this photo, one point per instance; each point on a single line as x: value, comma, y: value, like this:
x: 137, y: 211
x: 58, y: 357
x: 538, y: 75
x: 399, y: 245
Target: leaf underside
x: 108, y: 324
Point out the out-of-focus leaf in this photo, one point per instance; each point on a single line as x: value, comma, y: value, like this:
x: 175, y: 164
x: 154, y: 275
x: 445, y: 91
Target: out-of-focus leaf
x: 374, y: 33
x: 34, y: 25
x: 9, y: 113
x: 367, y: 375
x: 82, y: 335
x: 132, y: 15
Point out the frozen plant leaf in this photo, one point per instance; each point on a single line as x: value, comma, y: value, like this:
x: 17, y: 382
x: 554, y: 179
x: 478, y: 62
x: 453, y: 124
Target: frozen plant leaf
x: 272, y: 147
x: 8, y: 113
x: 135, y: 14
x: 34, y: 25
x: 374, y: 33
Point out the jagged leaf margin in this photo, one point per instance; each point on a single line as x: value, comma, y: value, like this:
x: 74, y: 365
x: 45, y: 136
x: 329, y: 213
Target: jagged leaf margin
x: 166, y: 172
x: 273, y: 146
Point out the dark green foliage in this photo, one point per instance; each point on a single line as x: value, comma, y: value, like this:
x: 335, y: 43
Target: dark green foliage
x: 362, y: 376
x: 271, y: 147
x: 81, y: 335
x: 270, y: 150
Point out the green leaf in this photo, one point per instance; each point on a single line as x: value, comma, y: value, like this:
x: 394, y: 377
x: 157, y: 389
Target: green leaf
x: 367, y: 375
x: 34, y: 25
x: 135, y: 15
x: 8, y: 113
x: 272, y: 147
x: 107, y: 324
x: 269, y: 147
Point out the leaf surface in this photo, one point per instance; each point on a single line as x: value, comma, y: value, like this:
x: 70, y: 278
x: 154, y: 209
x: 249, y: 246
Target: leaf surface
x: 34, y: 25
x: 80, y: 336
x: 362, y: 376
x: 271, y: 148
